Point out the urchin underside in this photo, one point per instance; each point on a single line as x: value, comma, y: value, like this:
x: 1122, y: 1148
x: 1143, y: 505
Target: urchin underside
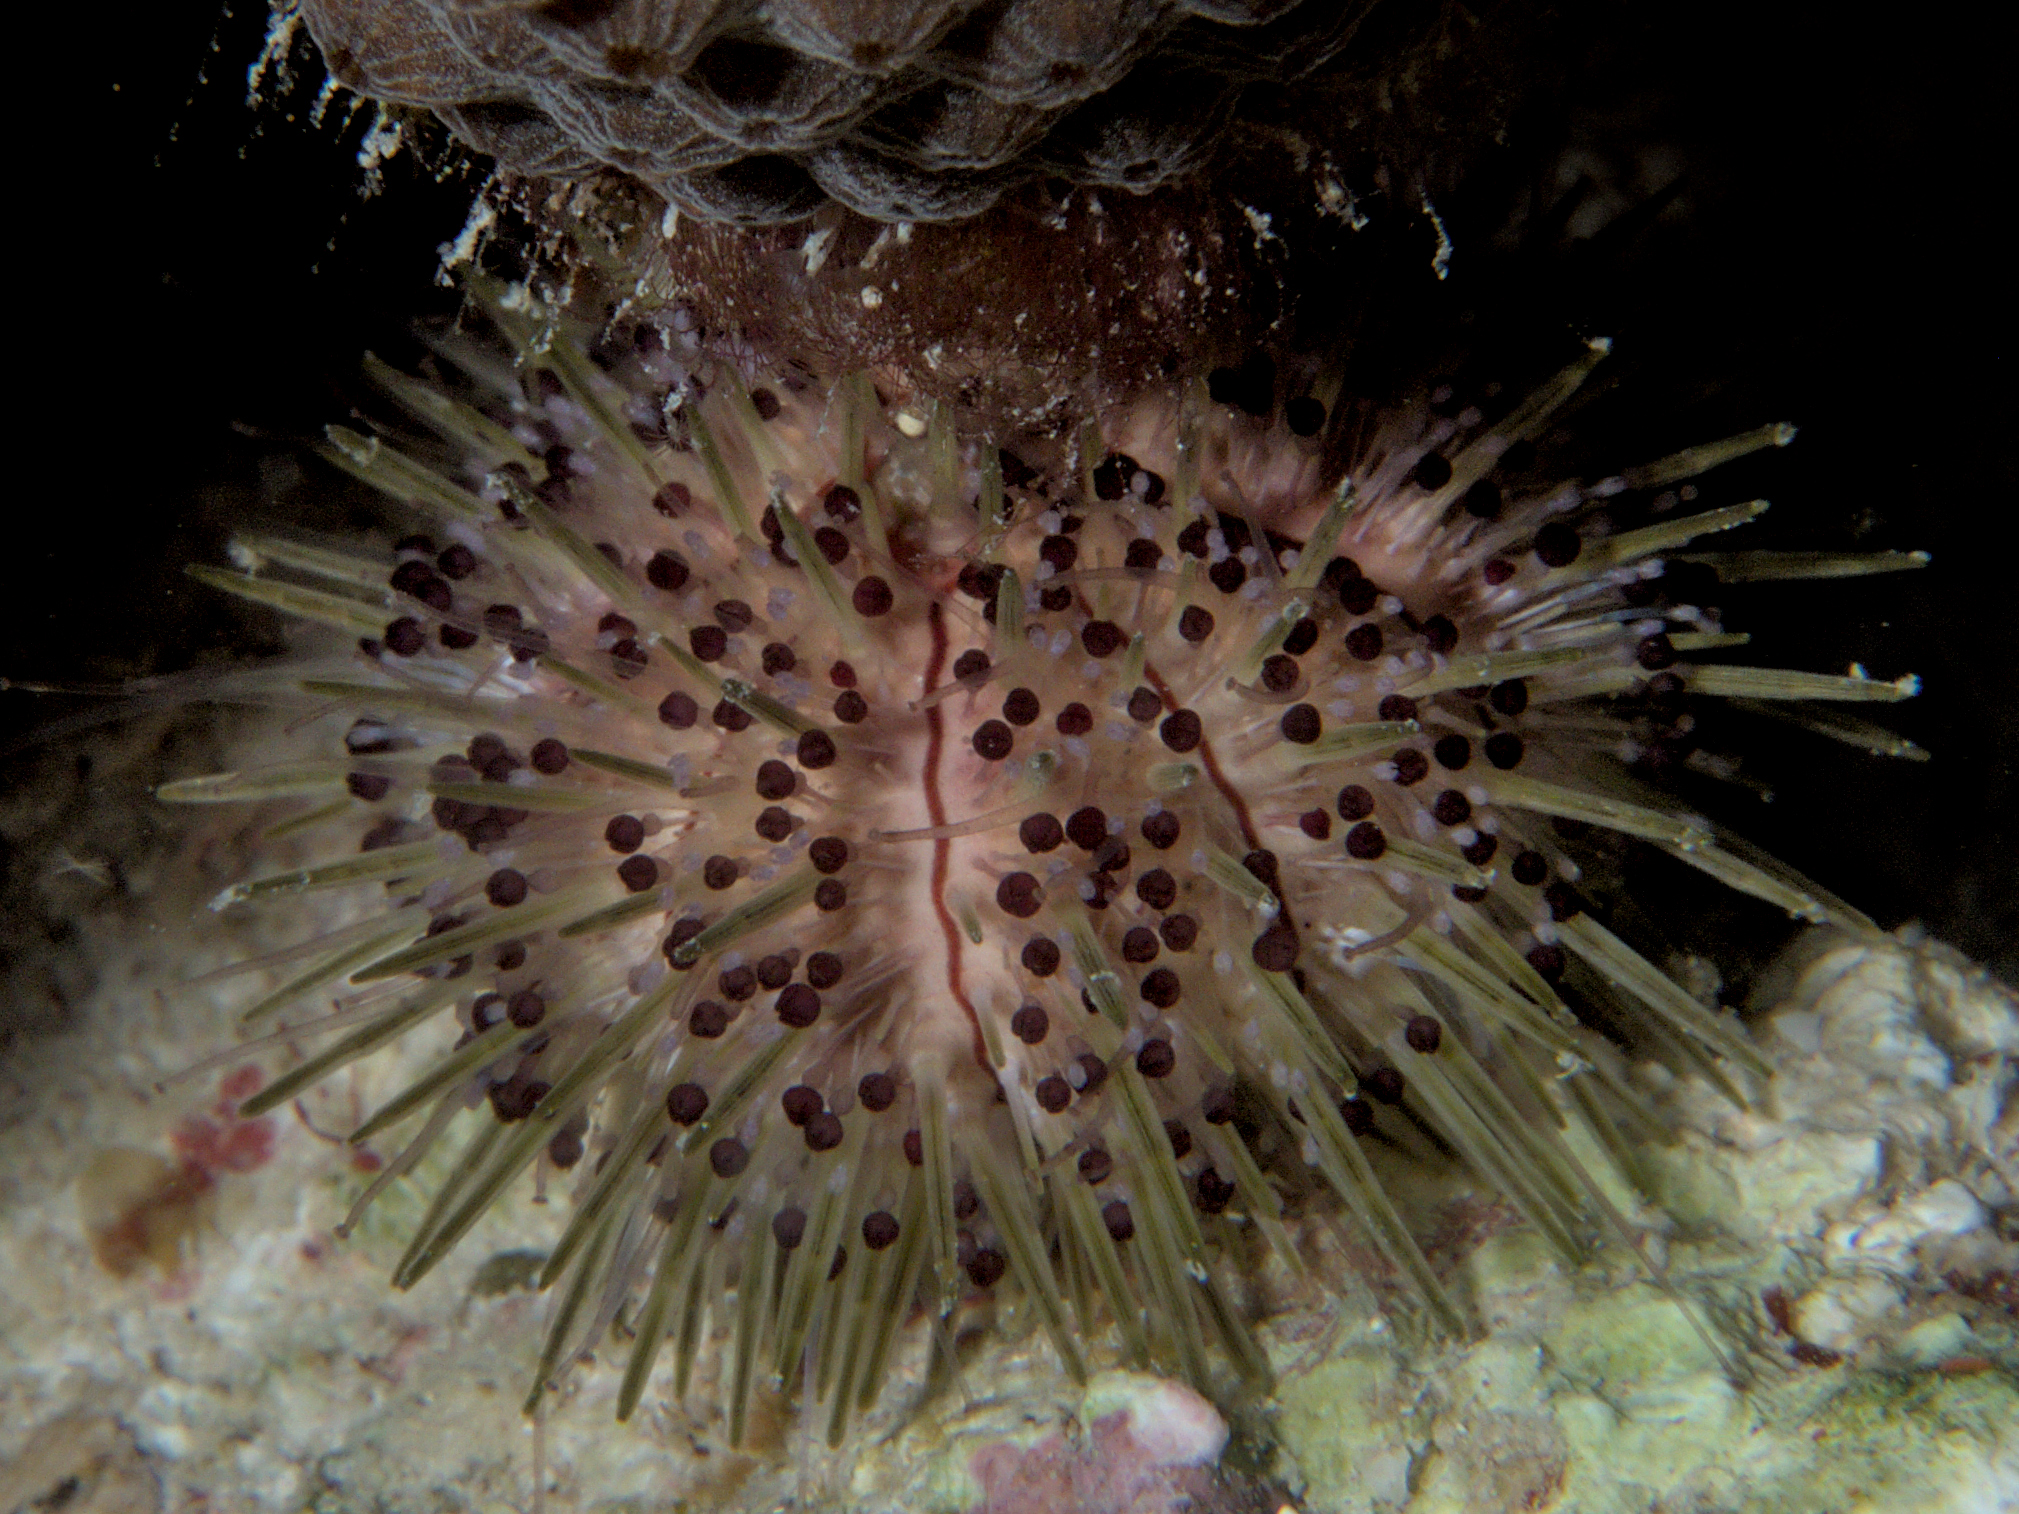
x: 870, y: 868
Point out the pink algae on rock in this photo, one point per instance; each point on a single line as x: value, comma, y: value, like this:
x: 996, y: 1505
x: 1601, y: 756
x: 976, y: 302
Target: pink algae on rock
x: 1154, y: 1453
x: 140, y: 1208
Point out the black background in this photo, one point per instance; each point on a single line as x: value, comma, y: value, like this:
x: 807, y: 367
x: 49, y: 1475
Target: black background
x: 198, y: 277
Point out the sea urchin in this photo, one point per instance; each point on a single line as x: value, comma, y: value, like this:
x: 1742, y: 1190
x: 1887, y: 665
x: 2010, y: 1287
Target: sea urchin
x: 869, y: 865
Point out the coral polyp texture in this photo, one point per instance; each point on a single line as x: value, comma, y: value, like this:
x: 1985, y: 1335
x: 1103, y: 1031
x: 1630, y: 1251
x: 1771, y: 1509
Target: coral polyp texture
x: 909, y: 111
x: 871, y: 868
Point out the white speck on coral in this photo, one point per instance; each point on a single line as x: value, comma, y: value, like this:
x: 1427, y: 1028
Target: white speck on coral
x: 813, y: 251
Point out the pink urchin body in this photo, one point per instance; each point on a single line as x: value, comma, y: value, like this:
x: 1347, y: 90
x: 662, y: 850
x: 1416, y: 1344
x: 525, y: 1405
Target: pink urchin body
x: 956, y: 870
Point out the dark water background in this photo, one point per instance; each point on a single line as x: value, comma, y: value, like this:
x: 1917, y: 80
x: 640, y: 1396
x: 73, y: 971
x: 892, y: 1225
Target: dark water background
x: 199, y: 279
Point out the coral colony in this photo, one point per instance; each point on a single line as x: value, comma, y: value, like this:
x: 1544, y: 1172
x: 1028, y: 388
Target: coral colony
x: 866, y: 866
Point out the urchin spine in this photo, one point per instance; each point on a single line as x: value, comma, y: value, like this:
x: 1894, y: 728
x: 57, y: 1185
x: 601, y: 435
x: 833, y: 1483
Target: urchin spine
x: 905, y: 871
